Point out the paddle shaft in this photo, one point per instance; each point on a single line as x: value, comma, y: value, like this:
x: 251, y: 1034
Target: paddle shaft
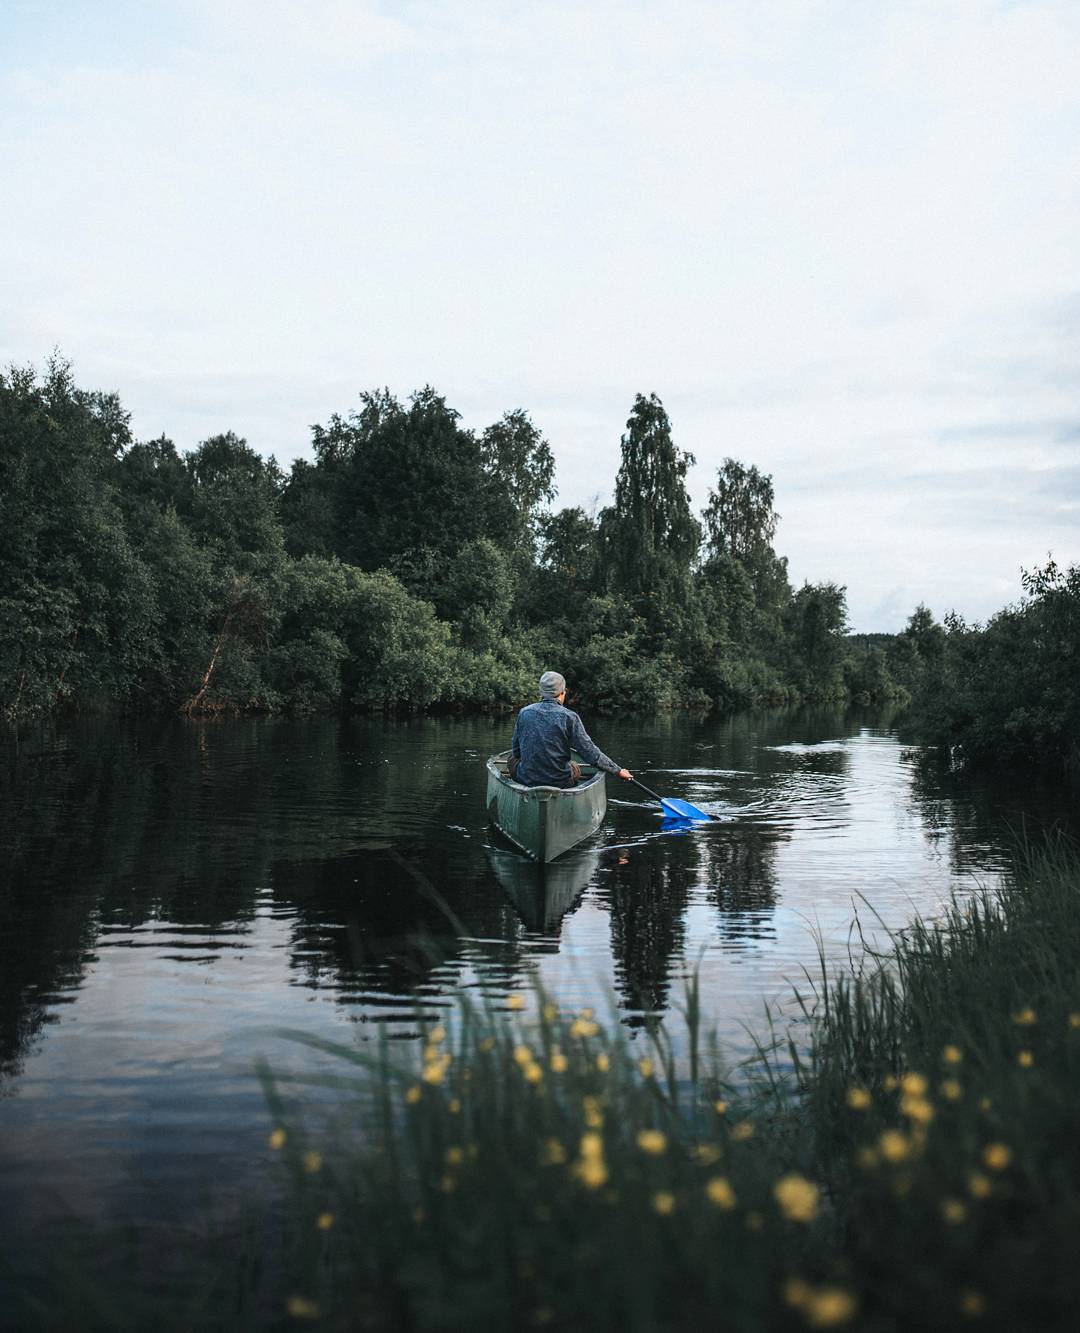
x: 648, y: 790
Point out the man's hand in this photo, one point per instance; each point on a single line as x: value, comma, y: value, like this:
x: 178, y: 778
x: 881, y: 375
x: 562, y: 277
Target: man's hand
x: 625, y: 773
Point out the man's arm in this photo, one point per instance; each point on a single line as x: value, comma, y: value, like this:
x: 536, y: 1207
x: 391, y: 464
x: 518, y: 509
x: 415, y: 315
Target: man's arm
x: 581, y: 741
x: 515, y: 744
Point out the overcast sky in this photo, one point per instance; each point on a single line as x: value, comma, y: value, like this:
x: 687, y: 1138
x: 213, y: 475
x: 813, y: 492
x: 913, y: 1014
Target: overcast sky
x: 840, y: 239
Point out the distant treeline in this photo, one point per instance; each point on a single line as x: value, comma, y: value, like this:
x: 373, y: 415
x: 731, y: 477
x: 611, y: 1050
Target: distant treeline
x: 412, y: 564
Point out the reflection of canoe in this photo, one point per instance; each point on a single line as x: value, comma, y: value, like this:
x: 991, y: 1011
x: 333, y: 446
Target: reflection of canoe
x: 543, y: 894
x: 544, y: 821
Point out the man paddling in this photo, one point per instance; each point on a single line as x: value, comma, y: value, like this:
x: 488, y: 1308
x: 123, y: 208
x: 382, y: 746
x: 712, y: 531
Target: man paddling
x: 544, y: 736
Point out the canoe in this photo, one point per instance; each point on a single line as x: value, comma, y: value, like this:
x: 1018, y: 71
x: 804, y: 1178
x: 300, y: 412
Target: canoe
x: 544, y: 821
x: 543, y: 894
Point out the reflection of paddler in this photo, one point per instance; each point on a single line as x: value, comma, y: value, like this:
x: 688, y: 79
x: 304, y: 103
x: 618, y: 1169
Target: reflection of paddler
x: 543, y: 894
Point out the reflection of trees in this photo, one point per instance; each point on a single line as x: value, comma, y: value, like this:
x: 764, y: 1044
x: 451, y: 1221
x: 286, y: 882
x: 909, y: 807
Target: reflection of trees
x: 163, y: 834
x: 739, y: 863
x: 978, y: 819
x: 648, y: 902
x: 380, y: 923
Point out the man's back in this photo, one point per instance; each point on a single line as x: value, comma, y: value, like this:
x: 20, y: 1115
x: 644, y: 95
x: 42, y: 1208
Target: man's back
x: 544, y: 737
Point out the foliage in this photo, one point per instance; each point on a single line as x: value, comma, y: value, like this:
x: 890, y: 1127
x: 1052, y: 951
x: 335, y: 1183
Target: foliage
x: 649, y: 537
x: 1008, y: 694
x: 413, y: 563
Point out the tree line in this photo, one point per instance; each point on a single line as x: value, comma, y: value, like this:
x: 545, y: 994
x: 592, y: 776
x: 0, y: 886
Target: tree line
x: 411, y: 563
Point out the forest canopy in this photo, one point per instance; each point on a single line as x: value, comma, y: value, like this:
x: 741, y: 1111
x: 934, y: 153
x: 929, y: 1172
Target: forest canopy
x: 412, y: 563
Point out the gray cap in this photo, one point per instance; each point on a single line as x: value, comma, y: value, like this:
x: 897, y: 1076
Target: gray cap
x: 551, y: 685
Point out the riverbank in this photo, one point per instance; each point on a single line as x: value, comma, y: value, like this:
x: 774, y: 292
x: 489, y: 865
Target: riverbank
x: 909, y: 1161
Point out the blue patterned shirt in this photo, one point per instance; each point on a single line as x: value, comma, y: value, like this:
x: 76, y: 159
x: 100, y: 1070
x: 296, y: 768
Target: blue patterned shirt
x: 544, y: 735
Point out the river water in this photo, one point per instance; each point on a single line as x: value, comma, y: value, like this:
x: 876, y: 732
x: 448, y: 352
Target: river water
x: 172, y: 892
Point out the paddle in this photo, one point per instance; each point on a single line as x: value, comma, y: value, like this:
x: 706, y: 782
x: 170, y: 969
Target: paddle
x: 683, y: 809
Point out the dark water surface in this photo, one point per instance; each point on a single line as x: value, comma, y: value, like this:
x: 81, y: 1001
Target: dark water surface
x: 173, y: 891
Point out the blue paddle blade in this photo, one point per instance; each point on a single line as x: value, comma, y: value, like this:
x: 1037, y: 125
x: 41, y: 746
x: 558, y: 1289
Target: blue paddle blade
x: 682, y: 809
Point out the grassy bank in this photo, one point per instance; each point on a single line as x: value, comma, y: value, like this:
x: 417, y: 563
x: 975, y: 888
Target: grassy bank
x: 916, y: 1167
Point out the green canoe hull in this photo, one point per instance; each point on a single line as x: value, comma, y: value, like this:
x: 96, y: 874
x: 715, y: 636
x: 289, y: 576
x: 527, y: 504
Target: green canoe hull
x: 544, y: 822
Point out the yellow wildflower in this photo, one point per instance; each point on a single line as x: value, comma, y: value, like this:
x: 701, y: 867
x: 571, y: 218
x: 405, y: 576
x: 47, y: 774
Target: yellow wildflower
x: 867, y: 1158
x: 797, y: 1293
x: 559, y: 1063
x: 533, y: 1073
x: 584, y: 1027
x: 645, y: 1065
x: 312, y: 1162
x: 663, y: 1202
x: 719, y: 1192
x: 590, y: 1168
x: 858, y: 1099
x: 1024, y: 1018
x: 951, y: 1090
x: 277, y: 1139
x: 985, y: 1103
x: 413, y: 1094
x: 522, y: 1055
x: 587, y: 1013
x: 593, y: 1116
x: 917, y: 1109
x: 455, y: 1155
x: 453, y: 1106
x: 1074, y: 1021
x: 437, y: 1035
x: 997, y: 1156
x: 953, y: 1211
x: 829, y: 1306
x: 554, y: 1153
x: 603, y: 1063
x: 798, y: 1198
x: 979, y: 1186
x: 742, y: 1131
x: 894, y: 1146
x: 720, y: 1107
x: 592, y: 1173
x: 418, y: 1215
x: 448, y: 1184
x: 952, y: 1055
x: 486, y: 1044
x: 1025, y: 1059
x: 325, y: 1221
x: 550, y: 1013
x: 914, y: 1085
x: 889, y: 1083
x: 434, y: 1071
x: 973, y: 1304
x: 652, y: 1141
x: 708, y: 1154
x: 515, y: 1002
x: 299, y: 1307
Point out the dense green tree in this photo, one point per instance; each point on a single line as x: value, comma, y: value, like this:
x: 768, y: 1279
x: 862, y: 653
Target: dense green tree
x: 519, y: 481
x: 234, y: 501
x: 649, y: 537
x: 77, y: 614
x: 740, y: 519
x: 817, y: 621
